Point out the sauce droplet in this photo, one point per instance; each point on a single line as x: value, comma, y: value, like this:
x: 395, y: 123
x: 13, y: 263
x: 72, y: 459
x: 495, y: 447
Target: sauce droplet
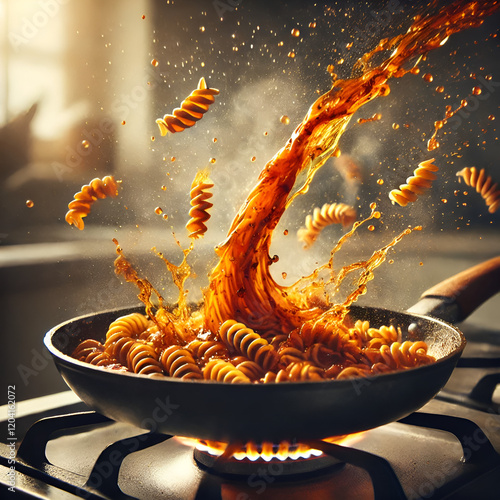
x: 380, y: 182
x: 212, y: 160
x: 476, y: 90
x: 312, y: 24
x: 154, y: 62
x: 291, y: 54
x: 285, y: 120
x: 428, y: 77
x: 371, y: 227
x: 29, y: 203
x: 158, y: 211
x: 295, y: 32
x: 86, y: 144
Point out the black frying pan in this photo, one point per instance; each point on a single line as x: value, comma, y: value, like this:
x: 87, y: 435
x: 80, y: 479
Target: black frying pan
x: 285, y: 411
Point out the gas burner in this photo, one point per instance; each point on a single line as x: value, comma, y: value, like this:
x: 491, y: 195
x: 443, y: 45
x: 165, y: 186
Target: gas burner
x: 283, y: 459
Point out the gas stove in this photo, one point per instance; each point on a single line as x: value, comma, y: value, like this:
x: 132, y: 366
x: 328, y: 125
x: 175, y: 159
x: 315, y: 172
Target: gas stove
x: 448, y: 449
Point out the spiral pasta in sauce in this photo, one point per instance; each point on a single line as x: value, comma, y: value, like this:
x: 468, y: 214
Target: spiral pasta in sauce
x: 83, y: 200
x: 318, y: 350
x: 416, y: 185
x: 335, y: 213
x: 200, y: 195
x: 484, y: 185
x: 192, y: 109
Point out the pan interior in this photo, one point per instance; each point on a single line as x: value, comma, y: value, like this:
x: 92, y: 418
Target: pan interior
x: 442, y: 338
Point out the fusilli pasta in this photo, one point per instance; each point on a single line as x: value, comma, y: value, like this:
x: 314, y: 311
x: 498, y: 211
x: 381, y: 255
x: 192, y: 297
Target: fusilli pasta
x: 246, y: 342
x: 192, y: 109
x: 80, y: 206
x: 416, y: 185
x: 317, y: 350
x: 484, y: 185
x: 335, y: 213
x: 199, y: 212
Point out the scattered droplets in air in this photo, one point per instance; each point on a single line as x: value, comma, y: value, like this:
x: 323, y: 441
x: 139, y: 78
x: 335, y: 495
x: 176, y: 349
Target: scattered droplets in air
x: 440, y: 89
x: 285, y: 120
x: 155, y: 63
x: 158, y: 211
x: 295, y: 32
x: 85, y: 144
x: 30, y: 203
x: 291, y: 54
x: 212, y: 160
x: 428, y: 77
x: 476, y: 90
x: 395, y: 126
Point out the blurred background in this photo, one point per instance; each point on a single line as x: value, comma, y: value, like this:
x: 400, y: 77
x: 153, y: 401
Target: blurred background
x: 81, y: 84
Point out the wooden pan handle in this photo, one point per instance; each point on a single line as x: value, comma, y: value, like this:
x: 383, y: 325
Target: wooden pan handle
x: 468, y: 289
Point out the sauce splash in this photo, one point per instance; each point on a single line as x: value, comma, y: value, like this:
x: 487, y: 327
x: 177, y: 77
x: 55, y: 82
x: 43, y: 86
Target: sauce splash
x: 241, y: 286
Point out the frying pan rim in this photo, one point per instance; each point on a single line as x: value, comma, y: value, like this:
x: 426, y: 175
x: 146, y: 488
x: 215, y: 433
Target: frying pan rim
x: 61, y: 356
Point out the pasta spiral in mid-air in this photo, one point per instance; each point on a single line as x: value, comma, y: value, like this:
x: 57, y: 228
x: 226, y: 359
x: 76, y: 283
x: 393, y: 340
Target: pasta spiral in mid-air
x: 484, y: 185
x: 200, y: 205
x: 191, y: 110
x: 416, y: 185
x: 80, y: 206
x: 334, y: 213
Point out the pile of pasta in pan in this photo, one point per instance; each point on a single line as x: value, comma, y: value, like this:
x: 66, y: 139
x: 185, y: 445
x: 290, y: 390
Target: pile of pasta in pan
x: 240, y: 355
